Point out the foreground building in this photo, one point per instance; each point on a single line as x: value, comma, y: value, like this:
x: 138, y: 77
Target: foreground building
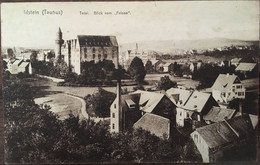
x: 88, y: 48
x: 134, y: 105
x: 220, y: 140
x: 155, y: 124
x: 190, y: 104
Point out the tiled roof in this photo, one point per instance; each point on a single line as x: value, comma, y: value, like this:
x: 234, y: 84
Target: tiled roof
x: 23, y: 64
x: 105, y: 41
x: 155, y: 124
x: 197, y: 101
x: 148, y: 100
x: 217, y: 114
x: 245, y: 67
x: 224, y: 82
x: 178, y: 95
x: 17, y: 62
x: 224, y: 132
x: 236, y: 60
x: 141, y: 100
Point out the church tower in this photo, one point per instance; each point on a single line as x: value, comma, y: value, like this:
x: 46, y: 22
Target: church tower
x: 59, y: 41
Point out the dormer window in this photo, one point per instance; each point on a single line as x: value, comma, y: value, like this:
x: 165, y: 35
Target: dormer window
x: 130, y: 103
x: 143, y: 103
x: 195, y: 96
x: 195, y: 106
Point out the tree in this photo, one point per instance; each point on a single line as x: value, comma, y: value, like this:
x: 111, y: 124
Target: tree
x: 99, y: 103
x: 149, y: 67
x: 165, y: 83
x: 136, y: 70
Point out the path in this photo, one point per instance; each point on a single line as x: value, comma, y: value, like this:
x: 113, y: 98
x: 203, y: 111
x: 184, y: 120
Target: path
x: 84, y: 109
x: 83, y: 105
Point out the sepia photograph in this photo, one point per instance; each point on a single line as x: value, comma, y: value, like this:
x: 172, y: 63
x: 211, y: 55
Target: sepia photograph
x: 130, y: 82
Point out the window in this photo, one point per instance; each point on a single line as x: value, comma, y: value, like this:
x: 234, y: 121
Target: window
x: 105, y: 56
x: 85, y: 52
x: 94, y: 56
x: 240, y: 93
x: 114, y: 105
x: 239, y: 86
x: 113, y: 126
x: 99, y: 56
x: 94, y: 50
x: 113, y: 52
x: 113, y: 115
x: 196, y: 138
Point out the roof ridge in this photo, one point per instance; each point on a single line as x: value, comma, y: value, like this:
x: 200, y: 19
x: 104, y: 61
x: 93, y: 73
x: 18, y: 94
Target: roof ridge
x: 231, y: 128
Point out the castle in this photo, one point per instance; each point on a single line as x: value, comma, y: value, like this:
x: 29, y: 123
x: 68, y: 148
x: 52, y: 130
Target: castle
x: 86, y: 48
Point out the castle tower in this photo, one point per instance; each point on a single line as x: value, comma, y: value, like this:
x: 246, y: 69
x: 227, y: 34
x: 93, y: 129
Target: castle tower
x: 59, y: 41
x: 116, y: 116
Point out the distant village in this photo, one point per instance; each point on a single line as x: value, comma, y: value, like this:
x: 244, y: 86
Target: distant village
x: 178, y: 113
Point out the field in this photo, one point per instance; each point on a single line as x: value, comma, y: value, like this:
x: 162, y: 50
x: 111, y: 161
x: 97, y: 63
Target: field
x: 188, y: 83
x: 61, y: 103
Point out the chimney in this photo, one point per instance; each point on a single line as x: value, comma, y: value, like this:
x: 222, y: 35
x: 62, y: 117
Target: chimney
x: 69, y: 55
x: 118, y: 94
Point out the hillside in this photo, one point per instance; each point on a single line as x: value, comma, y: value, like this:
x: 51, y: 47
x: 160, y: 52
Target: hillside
x: 168, y: 46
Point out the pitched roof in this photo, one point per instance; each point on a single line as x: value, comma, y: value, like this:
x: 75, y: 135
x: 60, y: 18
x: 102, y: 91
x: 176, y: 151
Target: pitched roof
x: 227, y: 131
x: 224, y: 82
x: 236, y: 60
x: 141, y: 100
x: 87, y: 40
x: 23, y: 64
x: 197, y: 101
x: 254, y: 120
x: 17, y: 62
x: 245, y: 67
x: 178, y: 96
x: 128, y: 101
x: 154, y: 61
x: 217, y: 114
x: 167, y: 64
x: 148, y: 100
x: 155, y: 124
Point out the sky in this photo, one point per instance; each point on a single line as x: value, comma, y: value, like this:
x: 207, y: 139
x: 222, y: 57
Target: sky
x: 147, y: 21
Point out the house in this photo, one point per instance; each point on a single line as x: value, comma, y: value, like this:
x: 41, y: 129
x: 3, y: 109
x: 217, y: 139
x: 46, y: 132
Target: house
x: 136, y: 104
x: 235, y: 61
x: 248, y: 69
x: 155, y: 124
x: 217, y: 114
x: 86, y: 48
x: 25, y: 67
x: 227, y: 87
x: 190, y: 104
x: 165, y: 67
x: 224, y: 63
x: 195, y: 66
x: 216, y: 141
